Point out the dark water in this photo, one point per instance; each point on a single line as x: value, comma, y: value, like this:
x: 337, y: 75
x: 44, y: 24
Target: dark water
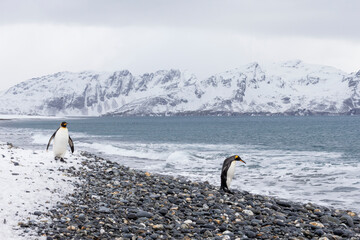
x: 301, y: 158
x: 335, y: 133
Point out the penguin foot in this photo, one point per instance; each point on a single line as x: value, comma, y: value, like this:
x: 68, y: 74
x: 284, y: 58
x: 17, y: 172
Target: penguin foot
x: 226, y: 190
x: 62, y: 160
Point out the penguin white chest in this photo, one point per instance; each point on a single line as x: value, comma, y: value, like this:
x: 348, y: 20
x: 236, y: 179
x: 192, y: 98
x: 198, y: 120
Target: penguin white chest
x: 60, y: 142
x: 230, y: 174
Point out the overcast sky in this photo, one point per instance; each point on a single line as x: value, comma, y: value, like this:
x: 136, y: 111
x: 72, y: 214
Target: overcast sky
x: 39, y: 37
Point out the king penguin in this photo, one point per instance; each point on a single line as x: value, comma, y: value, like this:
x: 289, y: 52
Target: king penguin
x: 61, y: 139
x: 227, y: 172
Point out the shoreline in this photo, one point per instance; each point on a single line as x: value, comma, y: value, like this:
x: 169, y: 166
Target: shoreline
x: 116, y: 202
x: 111, y: 201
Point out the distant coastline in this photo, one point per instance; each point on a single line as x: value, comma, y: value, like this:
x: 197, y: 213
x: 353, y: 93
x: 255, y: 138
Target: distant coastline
x: 353, y: 112
x: 222, y: 113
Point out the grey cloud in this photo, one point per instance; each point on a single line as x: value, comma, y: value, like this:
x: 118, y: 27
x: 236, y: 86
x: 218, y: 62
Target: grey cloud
x: 321, y: 18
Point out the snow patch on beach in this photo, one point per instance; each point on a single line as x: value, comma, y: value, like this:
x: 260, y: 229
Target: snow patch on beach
x: 31, y: 182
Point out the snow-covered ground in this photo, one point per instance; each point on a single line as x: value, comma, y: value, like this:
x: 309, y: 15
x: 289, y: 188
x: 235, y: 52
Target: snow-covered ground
x: 31, y: 183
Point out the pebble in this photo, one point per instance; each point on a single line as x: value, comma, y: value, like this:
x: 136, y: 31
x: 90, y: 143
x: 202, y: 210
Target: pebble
x: 158, y: 227
x: 144, y: 214
x: 317, y: 224
x: 37, y: 213
x: 82, y: 217
x: 348, y: 220
x: 115, y: 202
x: 248, y: 212
x: 330, y: 219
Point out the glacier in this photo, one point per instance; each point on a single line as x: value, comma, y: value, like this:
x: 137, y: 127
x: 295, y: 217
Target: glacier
x: 286, y: 88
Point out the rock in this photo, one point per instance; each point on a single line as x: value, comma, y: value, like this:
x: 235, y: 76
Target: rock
x: 82, y: 217
x: 104, y: 210
x: 310, y: 207
x: 154, y: 236
x: 24, y: 224
x: 188, y: 222
x: 208, y: 234
x: 256, y: 222
x: 132, y: 216
x: 155, y: 196
x: 209, y: 226
x: 226, y: 237
x: 163, y: 211
x: 339, y: 232
x: 283, y: 203
x: 144, y: 214
x: 347, y: 220
x: 71, y: 228
x: 317, y: 224
x: 37, y: 213
x: 250, y: 234
x: 128, y: 236
x: 330, y: 219
x: 351, y: 214
x: 96, y: 197
x: 227, y: 232
x: 279, y: 222
x: 158, y: 227
x: 319, y: 232
x: 184, y: 226
x: 307, y: 233
x: 248, y: 212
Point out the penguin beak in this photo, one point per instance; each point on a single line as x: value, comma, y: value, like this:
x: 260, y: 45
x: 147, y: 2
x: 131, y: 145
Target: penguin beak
x: 242, y: 160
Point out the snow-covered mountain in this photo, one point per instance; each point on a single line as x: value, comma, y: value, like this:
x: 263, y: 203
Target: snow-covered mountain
x: 292, y: 87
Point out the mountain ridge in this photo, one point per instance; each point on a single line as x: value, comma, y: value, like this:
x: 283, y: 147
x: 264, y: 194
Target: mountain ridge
x: 287, y: 88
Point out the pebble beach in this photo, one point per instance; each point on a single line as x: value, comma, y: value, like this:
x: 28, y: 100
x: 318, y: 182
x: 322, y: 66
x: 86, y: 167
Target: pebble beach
x: 95, y: 198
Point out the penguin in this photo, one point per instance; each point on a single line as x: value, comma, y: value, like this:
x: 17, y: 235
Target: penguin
x: 61, y: 139
x: 227, y: 172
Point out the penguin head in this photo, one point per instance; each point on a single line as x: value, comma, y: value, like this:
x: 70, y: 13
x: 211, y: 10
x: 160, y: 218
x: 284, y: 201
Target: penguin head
x: 237, y: 158
x: 63, y: 124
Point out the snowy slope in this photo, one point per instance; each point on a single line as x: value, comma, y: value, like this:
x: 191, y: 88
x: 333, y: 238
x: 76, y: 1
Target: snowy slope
x: 31, y: 183
x: 292, y: 87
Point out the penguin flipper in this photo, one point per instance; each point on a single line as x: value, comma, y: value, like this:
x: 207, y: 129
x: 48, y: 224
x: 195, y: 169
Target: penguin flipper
x: 71, y: 144
x: 51, y: 138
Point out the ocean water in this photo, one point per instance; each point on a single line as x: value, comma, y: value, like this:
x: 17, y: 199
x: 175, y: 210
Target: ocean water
x: 307, y: 159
